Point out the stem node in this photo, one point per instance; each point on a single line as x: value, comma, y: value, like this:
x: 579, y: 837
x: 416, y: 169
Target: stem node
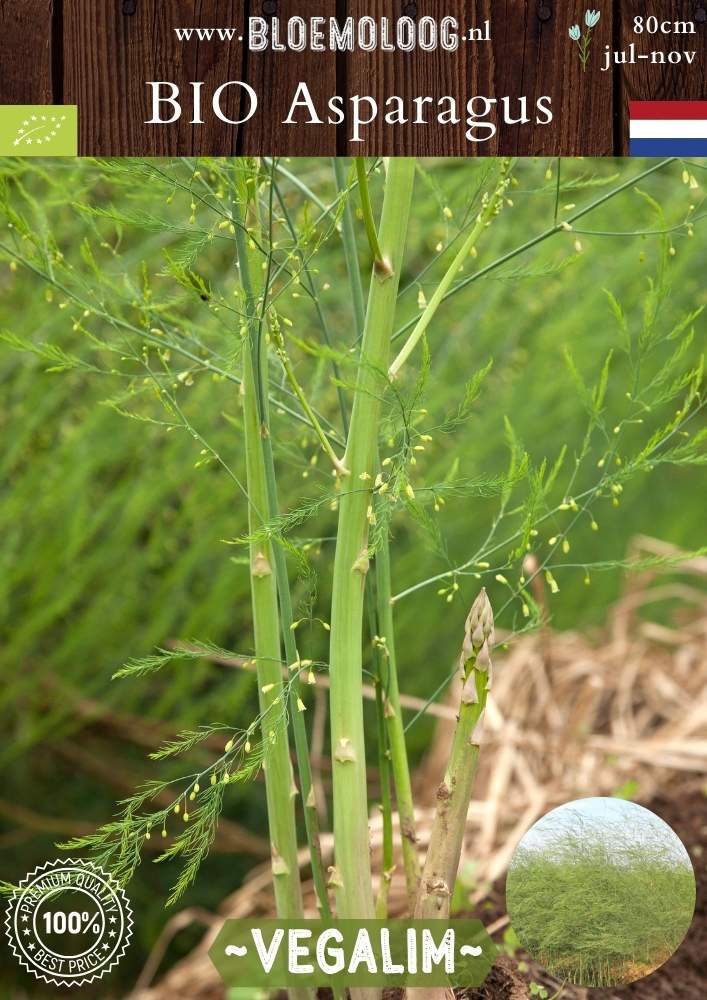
x: 261, y: 566
x: 334, y: 881
x: 345, y: 752
x: 362, y: 563
x: 383, y: 268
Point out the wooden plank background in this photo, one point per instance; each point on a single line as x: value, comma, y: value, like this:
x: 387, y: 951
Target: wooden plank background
x: 99, y: 53
x: 27, y: 34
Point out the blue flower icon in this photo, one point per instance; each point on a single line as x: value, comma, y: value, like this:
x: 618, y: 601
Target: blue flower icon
x: 591, y: 19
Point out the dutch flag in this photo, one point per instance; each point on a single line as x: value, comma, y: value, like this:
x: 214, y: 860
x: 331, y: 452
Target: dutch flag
x: 668, y: 128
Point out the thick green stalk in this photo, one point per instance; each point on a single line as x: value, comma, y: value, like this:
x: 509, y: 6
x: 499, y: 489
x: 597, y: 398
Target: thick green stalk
x: 453, y: 797
x: 393, y: 713
x: 454, y: 794
x: 279, y: 780
x: 395, y: 728
x: 351, y: 875
x: 388, y: 866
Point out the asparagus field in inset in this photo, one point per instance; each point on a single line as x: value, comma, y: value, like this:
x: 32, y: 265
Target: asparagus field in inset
x: 601, y: 892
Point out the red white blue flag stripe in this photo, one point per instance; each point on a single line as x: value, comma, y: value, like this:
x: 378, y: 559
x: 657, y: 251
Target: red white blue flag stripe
x: 668, y: 128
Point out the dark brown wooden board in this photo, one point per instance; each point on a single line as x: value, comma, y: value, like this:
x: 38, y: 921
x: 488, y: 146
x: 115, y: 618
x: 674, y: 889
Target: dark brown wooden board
x: 275, y: 80
x: 535, y: 56
x: 109, y: 56
x: 434, y: 74
x: 530, y: 55
x: 26, y: 51
x: 100, y: 54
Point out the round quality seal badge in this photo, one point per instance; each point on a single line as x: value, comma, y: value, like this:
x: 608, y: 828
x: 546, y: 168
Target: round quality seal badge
x: 68, y: 923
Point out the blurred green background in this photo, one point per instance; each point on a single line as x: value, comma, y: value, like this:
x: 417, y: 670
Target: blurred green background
x: 111, y: 539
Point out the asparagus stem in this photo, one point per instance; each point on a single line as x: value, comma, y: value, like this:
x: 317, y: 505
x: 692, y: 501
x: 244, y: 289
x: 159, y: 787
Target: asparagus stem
x: 367, y: 211
x: 392, y: 710
x: 348, y: 236
x: 297, y: 389
x: 388, y: 865
x: 351, y: 874
x: 454, y: 794
x: 279, y: 780
x: 395, y: 728
x: 492, y: 204
x: 304, y: 766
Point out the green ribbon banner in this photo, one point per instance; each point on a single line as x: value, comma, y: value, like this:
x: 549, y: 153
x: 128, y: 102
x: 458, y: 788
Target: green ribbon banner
x: 311, y: 953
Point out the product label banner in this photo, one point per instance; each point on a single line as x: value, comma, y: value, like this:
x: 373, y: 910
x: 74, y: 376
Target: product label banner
x: 434, y: 77
x: 281, y: 953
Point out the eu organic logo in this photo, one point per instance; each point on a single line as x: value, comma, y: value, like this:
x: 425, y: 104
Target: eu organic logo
x: 38, y: 130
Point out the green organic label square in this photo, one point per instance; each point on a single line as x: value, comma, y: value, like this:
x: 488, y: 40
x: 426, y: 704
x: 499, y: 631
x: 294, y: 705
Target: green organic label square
x: 39, y: 130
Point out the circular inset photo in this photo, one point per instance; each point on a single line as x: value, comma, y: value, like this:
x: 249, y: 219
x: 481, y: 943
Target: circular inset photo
x: 600, y: 892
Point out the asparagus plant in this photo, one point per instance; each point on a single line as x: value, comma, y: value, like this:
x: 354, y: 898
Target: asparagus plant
x: 391, y: 722
x: 262, y: 445
x: 351, y: 873
x: 454, y: 793
x: 265, y: 268
x: 279, y: 779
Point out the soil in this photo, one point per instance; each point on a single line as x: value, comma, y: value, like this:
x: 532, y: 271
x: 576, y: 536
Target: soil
x: 503, y: 983
x: 683, y: 977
